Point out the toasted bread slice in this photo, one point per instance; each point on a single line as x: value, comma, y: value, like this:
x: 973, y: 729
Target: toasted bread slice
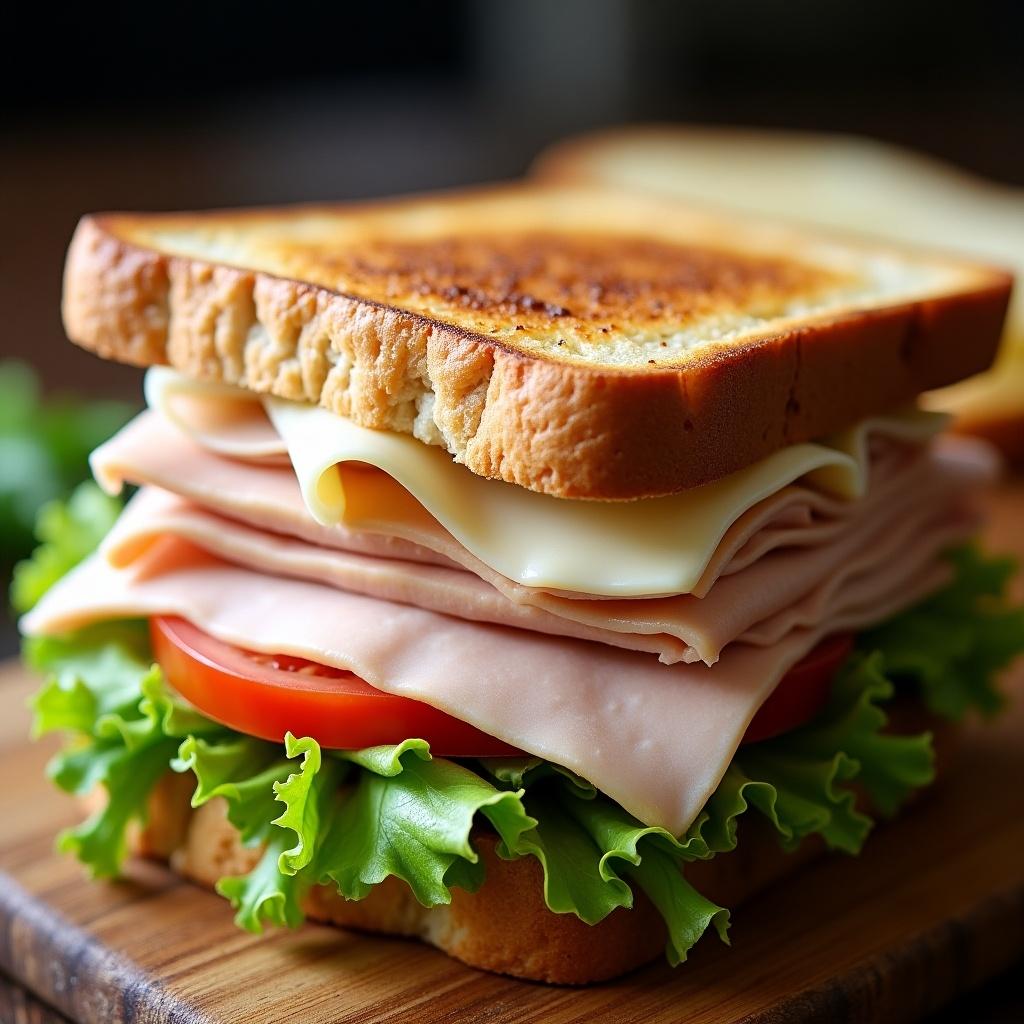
x: 837, y: 182
x: 578, y: 342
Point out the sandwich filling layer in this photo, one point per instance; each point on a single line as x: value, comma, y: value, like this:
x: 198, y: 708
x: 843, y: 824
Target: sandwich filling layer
x: 377, y: 481
x: 222, y: 536
x: 781, y: 566
x: 351, y: 818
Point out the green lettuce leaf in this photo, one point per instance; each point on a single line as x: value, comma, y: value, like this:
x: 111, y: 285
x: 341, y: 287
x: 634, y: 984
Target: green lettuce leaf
x: 953, y: 645
x: 272, y: 892
x: 266, y: 895
x: 590, y: 849
x: 67, y: 532
x: 128, y: 776
x: 809, y: 768
x: 307, y: 796
x: 88, y: 675
x: 101, y: 686
x: 409, y: 815
x: 240, y: 770
x: 687, y: 914
x: 574, y: 879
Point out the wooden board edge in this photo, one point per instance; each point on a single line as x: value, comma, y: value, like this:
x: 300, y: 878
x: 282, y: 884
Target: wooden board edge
x: 921, y: 976
x: 72, y: 971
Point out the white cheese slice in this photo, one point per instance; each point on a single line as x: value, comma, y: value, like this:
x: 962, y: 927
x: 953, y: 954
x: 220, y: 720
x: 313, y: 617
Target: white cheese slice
x: 655, y: 546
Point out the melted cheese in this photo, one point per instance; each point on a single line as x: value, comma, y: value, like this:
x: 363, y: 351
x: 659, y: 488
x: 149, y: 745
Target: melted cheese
x: 377, y: 481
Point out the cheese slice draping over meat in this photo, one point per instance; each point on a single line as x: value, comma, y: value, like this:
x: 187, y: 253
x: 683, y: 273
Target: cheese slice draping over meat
x: 387, y: 483
x: 756, y: 603
x: 655, y: 738
x: 148, y: 451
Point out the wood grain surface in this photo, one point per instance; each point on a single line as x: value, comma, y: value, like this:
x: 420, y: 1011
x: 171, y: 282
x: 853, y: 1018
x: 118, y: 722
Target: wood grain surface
x: 18, y: 1007
x: 933, y: 907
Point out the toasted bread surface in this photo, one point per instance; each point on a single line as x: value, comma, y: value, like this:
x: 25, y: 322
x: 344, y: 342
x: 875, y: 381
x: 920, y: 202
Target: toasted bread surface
x: 839, y: 182
x: 578, y: 342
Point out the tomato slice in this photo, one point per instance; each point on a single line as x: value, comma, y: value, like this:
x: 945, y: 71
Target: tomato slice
x: 268, y: 695
x: 803, y: 692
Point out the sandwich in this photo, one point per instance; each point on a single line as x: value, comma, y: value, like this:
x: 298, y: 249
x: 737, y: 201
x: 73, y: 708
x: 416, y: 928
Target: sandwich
x: 535, y: 571
x: 839, y: 182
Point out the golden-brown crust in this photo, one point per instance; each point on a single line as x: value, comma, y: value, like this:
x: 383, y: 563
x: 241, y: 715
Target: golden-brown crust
x: 439, y: 355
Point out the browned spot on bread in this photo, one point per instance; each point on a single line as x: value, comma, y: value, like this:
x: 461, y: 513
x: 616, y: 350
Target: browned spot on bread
x: 585, y: 286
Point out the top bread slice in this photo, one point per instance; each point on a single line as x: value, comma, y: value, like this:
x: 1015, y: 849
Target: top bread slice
x: 580, y: 342
x: 834, y: 182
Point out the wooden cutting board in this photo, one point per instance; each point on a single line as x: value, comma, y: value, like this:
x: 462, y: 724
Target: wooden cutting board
x: 933, y: 907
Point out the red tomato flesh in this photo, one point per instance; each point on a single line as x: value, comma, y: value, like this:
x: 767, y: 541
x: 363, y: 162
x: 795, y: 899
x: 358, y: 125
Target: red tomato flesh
x: 803, y: 692
x: 267, y: 695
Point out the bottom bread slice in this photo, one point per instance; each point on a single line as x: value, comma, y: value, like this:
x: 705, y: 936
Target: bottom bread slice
x: 505, y: 926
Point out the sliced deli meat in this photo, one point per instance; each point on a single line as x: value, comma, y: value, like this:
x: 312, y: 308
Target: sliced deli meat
x: 153, y: 515
x: 758, y: 605
x: 655, y: 738
x: 800, y: 546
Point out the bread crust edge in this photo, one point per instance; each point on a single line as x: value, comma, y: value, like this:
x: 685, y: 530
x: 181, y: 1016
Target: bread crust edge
x: 558, y: 428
